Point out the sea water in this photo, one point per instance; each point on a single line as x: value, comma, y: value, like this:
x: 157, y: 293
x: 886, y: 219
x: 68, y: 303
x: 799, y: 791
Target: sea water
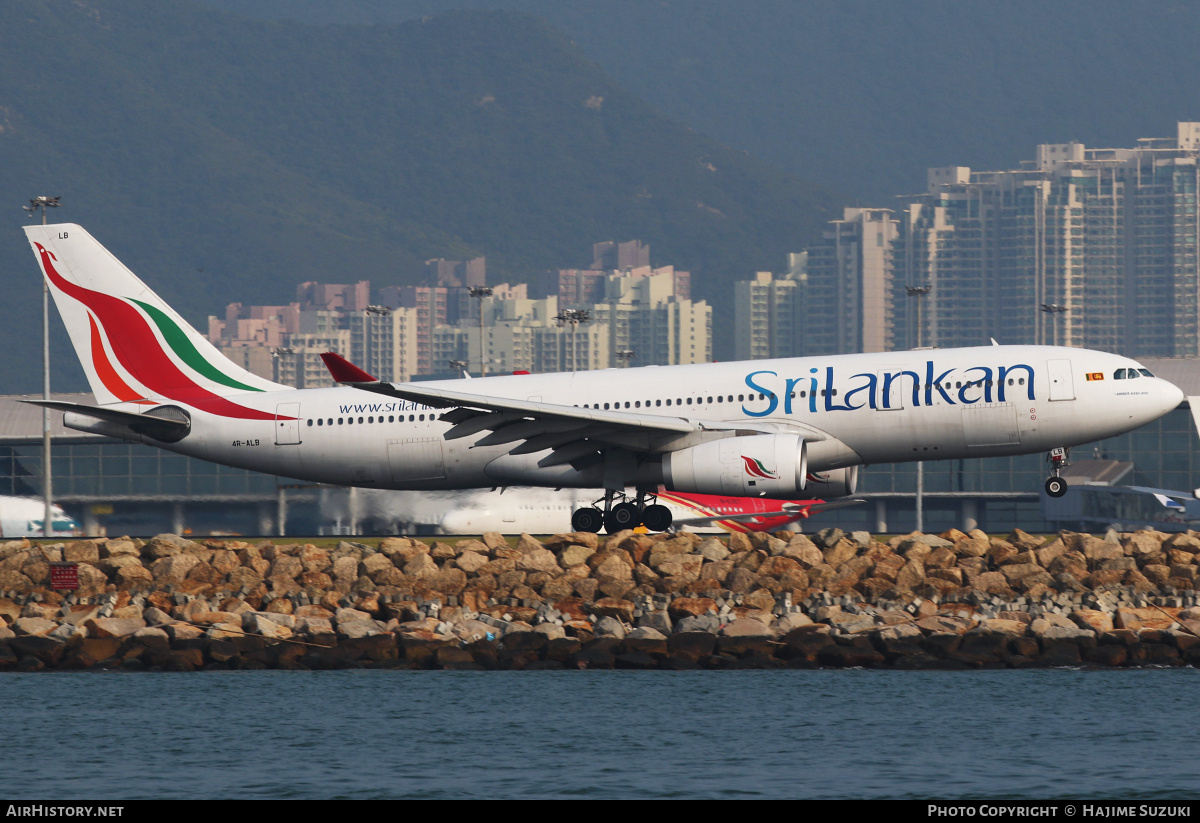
x: 606, y: 734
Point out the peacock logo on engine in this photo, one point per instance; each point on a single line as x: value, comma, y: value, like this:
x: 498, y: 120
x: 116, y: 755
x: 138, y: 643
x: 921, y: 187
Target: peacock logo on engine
x: 755, y: 468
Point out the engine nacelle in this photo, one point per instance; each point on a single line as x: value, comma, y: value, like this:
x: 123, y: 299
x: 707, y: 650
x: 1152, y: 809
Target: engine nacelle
x: 774, y: 465
x: 832, y: 483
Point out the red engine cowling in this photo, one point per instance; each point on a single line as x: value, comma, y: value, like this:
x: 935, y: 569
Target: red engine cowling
x: 833, y: 483
x: 774, y: 465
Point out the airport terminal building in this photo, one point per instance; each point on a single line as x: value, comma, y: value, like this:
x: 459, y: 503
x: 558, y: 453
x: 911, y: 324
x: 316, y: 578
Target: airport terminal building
x: 114, y: 487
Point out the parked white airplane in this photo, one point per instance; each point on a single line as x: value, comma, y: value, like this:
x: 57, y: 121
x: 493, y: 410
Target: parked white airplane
x: 748, y: 429
x: 23, y: 517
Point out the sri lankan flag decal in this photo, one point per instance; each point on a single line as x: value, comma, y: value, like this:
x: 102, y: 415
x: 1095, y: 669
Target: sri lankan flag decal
x: 1095, y: 375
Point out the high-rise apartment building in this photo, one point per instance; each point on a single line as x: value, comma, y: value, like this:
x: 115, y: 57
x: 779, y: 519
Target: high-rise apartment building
x: 843, y: 298
x: 836, y: 298
x: 1079, y: 247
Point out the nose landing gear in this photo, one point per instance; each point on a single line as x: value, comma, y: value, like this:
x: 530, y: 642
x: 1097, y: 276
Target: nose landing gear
x: 1055, y: 485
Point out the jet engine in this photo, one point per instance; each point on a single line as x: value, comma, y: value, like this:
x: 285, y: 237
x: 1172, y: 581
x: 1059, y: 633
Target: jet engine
x: 833, y: 483
x: 773, y: 465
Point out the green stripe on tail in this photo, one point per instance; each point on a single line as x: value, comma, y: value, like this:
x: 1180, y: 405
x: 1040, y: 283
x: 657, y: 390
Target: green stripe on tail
x: 180, y: 344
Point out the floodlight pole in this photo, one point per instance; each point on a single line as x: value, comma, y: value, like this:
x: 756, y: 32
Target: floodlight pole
x: 1052, y: 309
x: 480, y: 292
x: 919, y: 292
x: 41, y: 203
x: 573, y: 317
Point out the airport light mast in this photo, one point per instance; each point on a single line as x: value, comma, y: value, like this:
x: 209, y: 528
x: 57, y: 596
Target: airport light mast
x: 1054, y: 310
x: 480, y: 292
x: 573, y: 317
x: 919, y: 293
x: 41, y: 203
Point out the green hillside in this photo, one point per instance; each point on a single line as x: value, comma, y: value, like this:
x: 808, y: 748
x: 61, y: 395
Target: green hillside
x: 228, y: 159
x: 863, y: 95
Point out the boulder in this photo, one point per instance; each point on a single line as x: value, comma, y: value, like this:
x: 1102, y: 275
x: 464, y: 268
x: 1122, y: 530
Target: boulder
x: 538, y: 559
x: 712, y: 550
x: 609, y: 627
x: 172, y: 569
x: 574, y: 554
x: 612, y: 607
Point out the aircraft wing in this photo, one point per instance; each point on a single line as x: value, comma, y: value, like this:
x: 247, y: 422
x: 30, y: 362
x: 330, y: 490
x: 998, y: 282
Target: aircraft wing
x: 535, y: 426
x: 796, y: 512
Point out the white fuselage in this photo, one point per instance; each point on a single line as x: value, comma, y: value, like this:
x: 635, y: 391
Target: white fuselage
x: 858, y: 408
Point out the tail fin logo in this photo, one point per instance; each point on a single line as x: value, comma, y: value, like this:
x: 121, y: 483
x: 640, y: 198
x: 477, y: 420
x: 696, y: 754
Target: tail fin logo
x: 140, y: 353
x: 755, y: 468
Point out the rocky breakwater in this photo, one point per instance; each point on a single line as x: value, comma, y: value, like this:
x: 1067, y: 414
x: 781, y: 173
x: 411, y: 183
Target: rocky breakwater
x: 623, y: 601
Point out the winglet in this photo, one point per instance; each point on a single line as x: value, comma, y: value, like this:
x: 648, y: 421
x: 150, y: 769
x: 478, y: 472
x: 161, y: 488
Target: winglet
x: 344, y: 371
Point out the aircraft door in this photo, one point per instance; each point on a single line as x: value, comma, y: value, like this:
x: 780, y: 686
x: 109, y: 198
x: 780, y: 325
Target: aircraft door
x: 1062, y: 383
x: 287, y: 424
x: 891, y: 389
x: 416, y: 459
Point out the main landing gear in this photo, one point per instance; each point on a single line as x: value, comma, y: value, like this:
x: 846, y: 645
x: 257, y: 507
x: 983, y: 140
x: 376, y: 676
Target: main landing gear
x: 626, y: 514
x: 1055, y: 485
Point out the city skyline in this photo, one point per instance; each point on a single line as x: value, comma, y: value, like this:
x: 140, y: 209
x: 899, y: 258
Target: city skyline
x: 1085, y: 247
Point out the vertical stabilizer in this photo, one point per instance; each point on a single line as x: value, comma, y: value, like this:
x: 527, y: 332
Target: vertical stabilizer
x: 133, y: 346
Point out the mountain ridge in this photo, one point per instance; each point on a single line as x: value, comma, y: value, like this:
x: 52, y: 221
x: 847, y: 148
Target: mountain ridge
x: 225, y: 159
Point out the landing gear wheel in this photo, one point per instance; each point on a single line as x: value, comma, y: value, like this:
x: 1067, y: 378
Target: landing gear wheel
x: 1056, y: 487
x: 622, y: 516
x: 656, y: 518
x: 587, y: 520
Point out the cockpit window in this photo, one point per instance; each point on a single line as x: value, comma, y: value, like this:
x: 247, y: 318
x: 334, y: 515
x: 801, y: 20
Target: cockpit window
x: 1120, y: 374
x: 1146, y: 372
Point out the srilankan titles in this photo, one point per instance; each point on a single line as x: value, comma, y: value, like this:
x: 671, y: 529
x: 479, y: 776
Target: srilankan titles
x: 974, y: 384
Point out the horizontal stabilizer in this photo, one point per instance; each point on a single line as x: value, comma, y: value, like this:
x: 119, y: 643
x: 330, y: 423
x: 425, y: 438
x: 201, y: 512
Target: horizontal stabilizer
x: 343, y: 371
x: 166, y: 429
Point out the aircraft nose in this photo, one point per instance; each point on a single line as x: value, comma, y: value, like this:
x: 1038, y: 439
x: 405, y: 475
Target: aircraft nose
x: 1171, y: 395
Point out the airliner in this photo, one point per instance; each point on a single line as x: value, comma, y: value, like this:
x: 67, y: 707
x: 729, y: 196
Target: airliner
x: 548, y: 511
x: 743, y: 429
x: 24, y: 516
